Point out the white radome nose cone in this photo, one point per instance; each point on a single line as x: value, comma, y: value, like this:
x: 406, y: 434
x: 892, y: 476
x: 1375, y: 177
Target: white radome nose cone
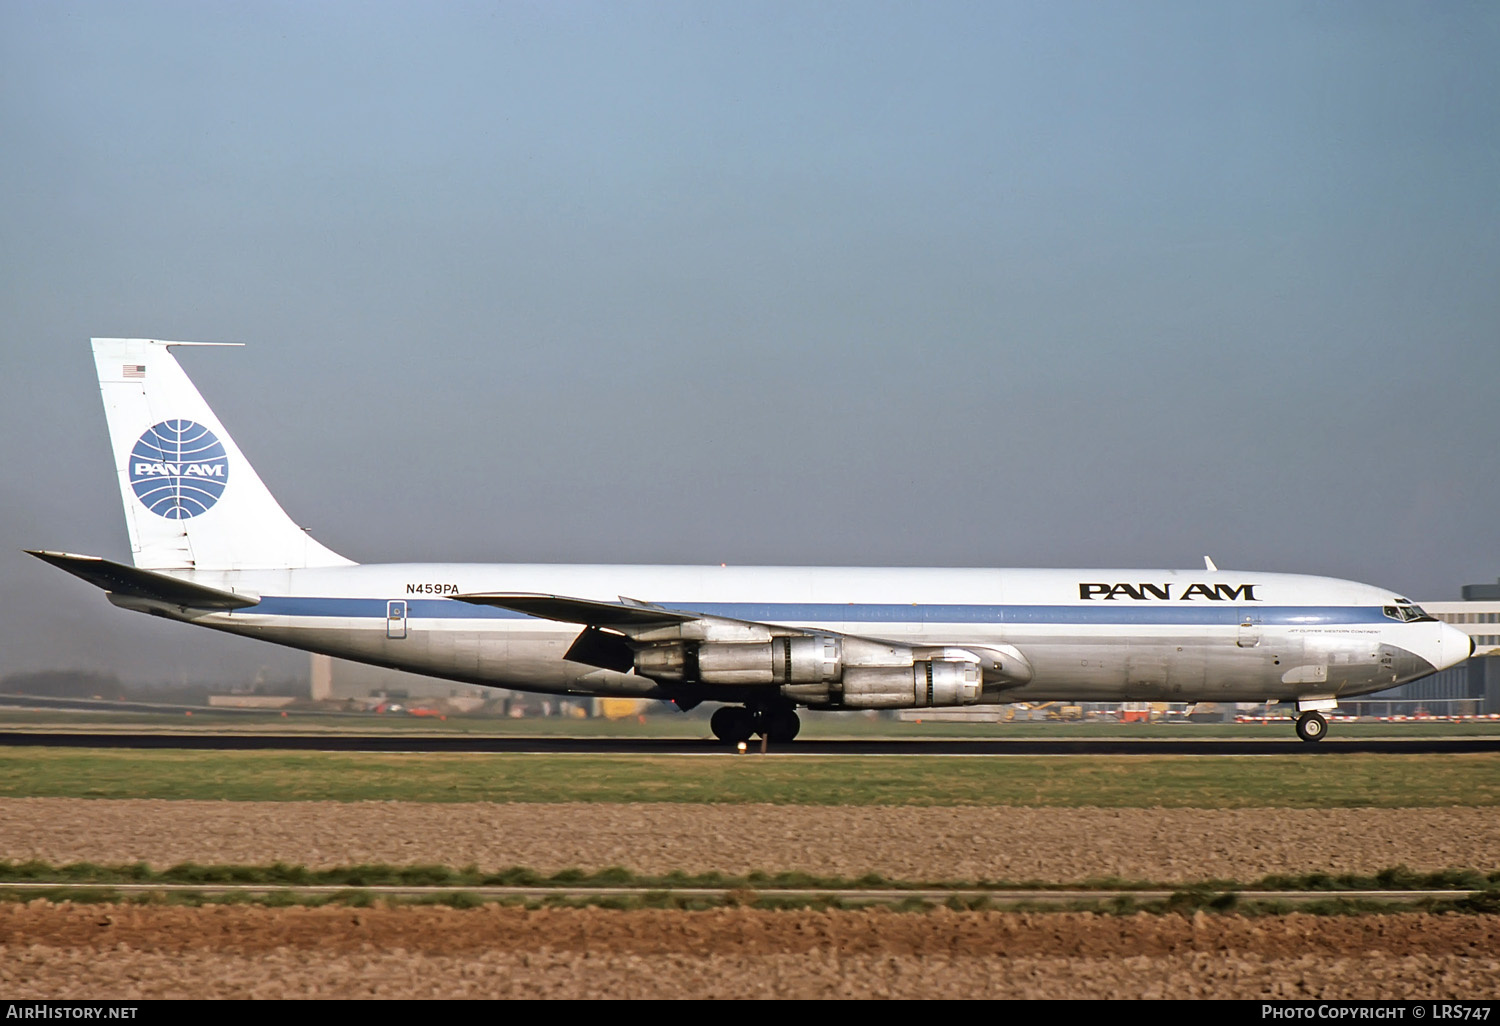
x: 1454, y: 646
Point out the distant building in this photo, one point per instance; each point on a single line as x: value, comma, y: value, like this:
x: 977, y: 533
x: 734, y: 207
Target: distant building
x: 1481, y: 593
x: 341, y: 680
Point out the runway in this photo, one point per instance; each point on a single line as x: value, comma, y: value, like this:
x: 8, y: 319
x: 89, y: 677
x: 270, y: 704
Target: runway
x: 510, y: 745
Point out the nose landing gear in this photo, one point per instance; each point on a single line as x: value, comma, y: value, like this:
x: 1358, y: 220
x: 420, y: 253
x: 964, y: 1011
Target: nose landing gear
x: 736, y: 723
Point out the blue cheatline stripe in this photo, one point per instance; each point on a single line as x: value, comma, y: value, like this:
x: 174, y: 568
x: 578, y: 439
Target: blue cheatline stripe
x: 1166, y: 613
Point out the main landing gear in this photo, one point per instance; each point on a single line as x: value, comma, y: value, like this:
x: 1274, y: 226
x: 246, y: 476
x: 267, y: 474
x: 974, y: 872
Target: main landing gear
x: 736, y: 723
x: 1311, y: 726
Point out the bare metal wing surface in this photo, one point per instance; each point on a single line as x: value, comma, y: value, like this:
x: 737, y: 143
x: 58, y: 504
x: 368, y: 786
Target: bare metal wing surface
x: 687, y: 647
x: 621, y: 615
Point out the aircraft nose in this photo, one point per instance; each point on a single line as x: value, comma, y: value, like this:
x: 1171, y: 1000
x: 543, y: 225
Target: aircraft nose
x: 1455, y: 646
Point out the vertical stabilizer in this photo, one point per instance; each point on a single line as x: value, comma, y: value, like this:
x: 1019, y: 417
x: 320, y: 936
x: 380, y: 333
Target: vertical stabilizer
x: 192, y: 500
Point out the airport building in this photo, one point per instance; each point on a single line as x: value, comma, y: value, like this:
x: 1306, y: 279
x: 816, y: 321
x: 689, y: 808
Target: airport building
x: 341, y: 680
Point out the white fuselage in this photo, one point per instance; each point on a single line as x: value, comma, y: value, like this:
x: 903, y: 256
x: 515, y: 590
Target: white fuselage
x: 1089, y: 635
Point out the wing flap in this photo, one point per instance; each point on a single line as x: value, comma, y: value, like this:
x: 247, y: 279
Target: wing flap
x: 119, y: 579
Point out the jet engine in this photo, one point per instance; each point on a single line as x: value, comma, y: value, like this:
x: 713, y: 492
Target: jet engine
x: 926, y: 682
x: 826, y: 670
x: 799, y: 660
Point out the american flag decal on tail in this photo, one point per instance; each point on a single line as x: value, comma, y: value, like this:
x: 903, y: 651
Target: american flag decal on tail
x: 135, y: 370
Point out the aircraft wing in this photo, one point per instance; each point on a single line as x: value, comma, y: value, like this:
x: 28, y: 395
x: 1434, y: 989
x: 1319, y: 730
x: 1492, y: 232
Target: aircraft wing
x: 639, y: 621
x: 133, y: 582
x: 619, y: 615
x: 615, y: 631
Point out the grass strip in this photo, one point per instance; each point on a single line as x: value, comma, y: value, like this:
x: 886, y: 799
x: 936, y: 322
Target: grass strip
x: 1322, y: 780
x: 384, y: 875
x: 1182, y: 903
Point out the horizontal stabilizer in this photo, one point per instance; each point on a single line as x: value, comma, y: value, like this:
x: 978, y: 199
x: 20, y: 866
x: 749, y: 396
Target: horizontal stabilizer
x: 119, y: 579
x: 575, y: 610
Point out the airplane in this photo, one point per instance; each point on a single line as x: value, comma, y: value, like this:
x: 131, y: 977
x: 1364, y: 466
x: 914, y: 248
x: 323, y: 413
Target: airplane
x: 211, y: 546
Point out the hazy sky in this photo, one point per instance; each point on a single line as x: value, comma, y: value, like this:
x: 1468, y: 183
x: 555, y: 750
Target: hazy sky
x: 993, y: 284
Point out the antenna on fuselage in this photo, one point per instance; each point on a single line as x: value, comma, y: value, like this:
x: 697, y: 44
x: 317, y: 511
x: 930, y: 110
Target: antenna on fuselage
x: 1208, y: 564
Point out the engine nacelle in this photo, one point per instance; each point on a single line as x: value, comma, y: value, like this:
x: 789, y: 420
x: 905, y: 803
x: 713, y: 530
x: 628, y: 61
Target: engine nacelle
x: 800, y: 660
x: 926, y: 682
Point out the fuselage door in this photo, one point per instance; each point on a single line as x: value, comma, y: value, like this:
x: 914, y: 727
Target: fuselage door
x: 1249, y: 631
x: 395, y: 619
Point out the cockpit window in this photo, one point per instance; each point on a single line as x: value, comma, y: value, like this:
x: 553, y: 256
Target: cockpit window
x: 1406, y: 612
x: 1393, y: 613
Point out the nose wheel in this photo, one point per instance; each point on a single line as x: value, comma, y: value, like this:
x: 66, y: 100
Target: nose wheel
x: 1311, y: 726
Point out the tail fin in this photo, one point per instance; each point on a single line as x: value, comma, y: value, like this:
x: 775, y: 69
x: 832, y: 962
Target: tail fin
x: 192, y: 500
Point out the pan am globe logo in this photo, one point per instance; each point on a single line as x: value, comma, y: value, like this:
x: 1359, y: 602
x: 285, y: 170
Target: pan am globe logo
x: 178, y: 469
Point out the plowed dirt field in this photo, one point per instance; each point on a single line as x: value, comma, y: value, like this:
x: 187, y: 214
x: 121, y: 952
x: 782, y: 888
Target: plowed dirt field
x: 98, y: 951
x: 104, y: 951
x: 923, y: 843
